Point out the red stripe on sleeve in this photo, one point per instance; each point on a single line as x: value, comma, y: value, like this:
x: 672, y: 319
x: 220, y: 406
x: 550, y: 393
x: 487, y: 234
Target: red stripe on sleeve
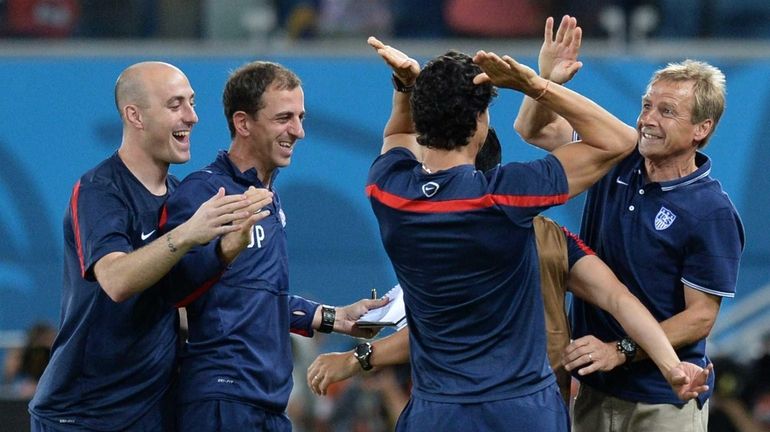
x: 489, y: 200
x: 584, y: 247
x: 76, y: 227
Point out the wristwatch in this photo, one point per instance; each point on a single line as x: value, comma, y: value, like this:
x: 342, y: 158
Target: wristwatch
x: 328, y: 314
x: 363, y: 353
x: 627, y: 347
x: 399, y: 85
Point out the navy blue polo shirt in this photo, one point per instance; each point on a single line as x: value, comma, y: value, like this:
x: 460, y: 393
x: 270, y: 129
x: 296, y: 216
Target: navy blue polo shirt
x: 657, y: 237
x: 111, y: 362
x: 463, y: 249
x: 238, y: 347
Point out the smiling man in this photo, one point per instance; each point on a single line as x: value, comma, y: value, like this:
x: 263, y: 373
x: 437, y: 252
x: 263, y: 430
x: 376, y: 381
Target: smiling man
x: 112, y: 361
x: 670, y: 234
x: 237, y: 363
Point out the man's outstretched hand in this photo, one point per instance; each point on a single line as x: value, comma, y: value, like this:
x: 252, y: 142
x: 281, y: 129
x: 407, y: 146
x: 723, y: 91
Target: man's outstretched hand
x: 404, y: 67
x: 688, y: 380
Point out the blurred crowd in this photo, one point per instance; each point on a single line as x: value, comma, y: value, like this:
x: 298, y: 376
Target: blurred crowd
x: 368, y: 402
x: 23, y: 366
x: 301, y: 19
x: 741, y: 400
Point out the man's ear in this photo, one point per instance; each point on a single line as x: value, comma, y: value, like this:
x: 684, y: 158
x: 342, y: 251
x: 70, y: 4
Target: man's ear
x: 133, y: 116
x: 241, y: 123
x: 703, y: 129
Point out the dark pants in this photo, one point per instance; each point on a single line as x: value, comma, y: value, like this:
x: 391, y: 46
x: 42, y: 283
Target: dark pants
x: 540, y: 411
x: 226, y: 416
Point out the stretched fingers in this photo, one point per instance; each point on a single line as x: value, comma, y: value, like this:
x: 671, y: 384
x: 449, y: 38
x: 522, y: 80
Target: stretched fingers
x: 577, y: 38
x: 563, y: 28
x: 548, y: 32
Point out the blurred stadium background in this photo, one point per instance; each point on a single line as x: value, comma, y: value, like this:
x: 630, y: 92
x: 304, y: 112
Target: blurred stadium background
x: 59, y: 60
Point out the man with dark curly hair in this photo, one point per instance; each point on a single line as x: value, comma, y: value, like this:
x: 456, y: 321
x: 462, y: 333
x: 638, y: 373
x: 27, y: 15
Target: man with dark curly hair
x: 475, y: 313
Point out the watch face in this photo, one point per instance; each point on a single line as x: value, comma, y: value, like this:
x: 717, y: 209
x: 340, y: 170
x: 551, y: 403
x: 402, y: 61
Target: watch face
x: 363, y: 350
x: 627, y: 345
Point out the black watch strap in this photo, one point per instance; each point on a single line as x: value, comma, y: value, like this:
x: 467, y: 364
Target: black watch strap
x: 399, y: 85
x: 363, y: 354
x: 328, y: 314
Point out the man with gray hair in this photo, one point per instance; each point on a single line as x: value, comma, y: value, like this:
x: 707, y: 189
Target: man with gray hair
x: 666, y: 229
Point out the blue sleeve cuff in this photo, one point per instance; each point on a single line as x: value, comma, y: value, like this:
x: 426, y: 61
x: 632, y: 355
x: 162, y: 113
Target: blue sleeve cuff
x: 301, y: 312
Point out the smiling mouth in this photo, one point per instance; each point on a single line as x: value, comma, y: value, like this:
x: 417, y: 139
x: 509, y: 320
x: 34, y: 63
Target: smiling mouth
x: 181, y: 135
x: 649, y: 136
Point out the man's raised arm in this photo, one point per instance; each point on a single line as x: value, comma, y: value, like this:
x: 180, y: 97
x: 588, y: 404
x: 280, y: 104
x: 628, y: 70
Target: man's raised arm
x: 557, y: 62
x: 605, y: 139
x: 399, y: 131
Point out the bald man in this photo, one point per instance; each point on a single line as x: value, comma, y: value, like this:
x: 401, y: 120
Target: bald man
x: 112, y: 361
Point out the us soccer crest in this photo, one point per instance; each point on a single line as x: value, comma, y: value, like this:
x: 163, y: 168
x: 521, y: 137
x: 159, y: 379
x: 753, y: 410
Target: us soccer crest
x: 430, y: 189
x: 664, y: 219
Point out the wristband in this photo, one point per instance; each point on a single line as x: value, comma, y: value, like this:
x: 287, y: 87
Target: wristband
x: 399, y: 85
x: 328, y: 315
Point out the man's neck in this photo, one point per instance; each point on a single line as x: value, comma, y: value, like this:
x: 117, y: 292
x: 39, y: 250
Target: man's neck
x: 670, y: 168
x: 435, y: 160
x: 150, y: 172
x: 245, y: 160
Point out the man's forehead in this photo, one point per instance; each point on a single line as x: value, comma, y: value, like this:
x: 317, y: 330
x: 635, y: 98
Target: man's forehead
x: 277, y: 100
x: 166, y: 78
x: 669, y: 88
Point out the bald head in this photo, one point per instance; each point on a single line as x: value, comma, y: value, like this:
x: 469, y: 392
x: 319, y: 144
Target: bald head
x: 136, y: 82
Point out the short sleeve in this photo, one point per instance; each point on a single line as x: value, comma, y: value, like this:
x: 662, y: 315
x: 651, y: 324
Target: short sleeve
x: 384, y: 162
x: 524, y: 190
x: 713, y: 252
x: 101, y: 223
x: 576, y: 249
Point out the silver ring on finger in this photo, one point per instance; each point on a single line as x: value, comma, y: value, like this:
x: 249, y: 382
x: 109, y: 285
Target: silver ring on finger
x: 590, y: 358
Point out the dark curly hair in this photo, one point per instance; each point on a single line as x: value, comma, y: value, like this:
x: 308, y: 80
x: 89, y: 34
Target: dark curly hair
x: 245, y: 86
x: 445, y: 102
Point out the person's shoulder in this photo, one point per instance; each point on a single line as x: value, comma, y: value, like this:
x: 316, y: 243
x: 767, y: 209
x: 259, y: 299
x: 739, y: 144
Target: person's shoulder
x: 547, y: 162
x: 395, y: 159
x: 208, y: 174
x: 708, y: 198
x: 398, y: 154
x: 203, y: 174
x: 201, y: 183
x: 173, y: 181
x: 108, y: 174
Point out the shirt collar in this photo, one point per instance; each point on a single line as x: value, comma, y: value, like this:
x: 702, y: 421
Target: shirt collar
x: 249, y: 176
x: 702, y: 162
